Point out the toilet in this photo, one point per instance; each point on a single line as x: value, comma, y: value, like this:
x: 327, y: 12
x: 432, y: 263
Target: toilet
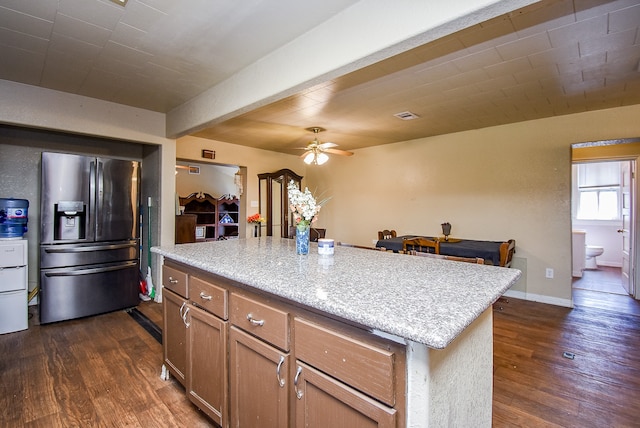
x: 591, y: 252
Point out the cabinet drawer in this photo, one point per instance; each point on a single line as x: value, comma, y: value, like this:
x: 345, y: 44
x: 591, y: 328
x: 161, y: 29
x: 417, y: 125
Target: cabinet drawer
x: 174, y: 280
x: 13, y: 254
x: 368, y: 368
x: 209, y: 297
x: 266, y: 322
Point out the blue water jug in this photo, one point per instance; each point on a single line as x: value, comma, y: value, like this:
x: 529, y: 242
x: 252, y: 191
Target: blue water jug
x: 14, y: 214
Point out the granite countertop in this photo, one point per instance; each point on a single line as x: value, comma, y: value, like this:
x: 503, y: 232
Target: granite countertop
x: 425, y: 300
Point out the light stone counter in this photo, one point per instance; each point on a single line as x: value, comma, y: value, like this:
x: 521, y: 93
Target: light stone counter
x: 423, y: 300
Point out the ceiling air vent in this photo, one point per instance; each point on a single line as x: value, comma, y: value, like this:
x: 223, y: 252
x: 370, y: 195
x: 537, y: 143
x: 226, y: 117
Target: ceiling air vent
x: 406, y: 115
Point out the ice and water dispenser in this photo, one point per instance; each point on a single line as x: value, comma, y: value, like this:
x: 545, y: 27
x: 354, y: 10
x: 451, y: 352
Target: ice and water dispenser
x: 69, y: 220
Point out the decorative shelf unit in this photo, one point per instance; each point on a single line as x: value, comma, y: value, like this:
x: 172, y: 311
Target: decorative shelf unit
x: 228, y: 218
x: 215, y: 218
x: 204, y: 206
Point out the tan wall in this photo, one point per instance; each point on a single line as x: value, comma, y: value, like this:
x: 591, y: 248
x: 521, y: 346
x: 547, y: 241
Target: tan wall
x: 511, y: 181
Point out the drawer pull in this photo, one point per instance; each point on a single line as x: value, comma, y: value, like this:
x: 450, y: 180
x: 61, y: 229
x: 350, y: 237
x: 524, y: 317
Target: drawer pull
x: 255, y: 322
x: 295, y: 383
x: 172, y: 280
x: 204, y: 296
x: 280, y: 380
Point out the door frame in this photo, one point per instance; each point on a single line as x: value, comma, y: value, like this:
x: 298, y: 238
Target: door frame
x: 634, y: 238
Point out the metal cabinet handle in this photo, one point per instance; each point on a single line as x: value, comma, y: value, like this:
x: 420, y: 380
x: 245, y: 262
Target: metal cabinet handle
x: 173, y: 281
x: 280, y: 380
x: 295, y: 383
x: 255, y: 322
x: 181, y: 309
x: 184, y: 317
x: 204, y: 296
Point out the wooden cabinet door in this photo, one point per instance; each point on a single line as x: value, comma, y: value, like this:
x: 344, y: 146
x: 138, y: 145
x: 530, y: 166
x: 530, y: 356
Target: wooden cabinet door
x: 207, y: 364
x: 174, y: 334
x: 259, y: 382
x: 322, y: 401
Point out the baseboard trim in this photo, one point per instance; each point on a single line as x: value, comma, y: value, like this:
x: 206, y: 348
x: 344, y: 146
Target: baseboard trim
x: 567, y: 303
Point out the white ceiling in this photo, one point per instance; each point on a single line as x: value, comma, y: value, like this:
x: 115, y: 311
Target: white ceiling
x: 552, y: 58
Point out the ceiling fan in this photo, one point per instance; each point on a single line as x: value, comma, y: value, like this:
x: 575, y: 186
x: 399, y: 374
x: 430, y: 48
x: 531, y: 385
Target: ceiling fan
x: 316, y: 152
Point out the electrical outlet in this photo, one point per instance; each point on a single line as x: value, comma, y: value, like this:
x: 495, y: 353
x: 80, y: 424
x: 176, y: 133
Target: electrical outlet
x: 549, y: 273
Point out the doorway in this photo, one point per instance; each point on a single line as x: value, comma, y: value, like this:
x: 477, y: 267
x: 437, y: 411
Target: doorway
x: 603, y: 223
x: 213, y: 184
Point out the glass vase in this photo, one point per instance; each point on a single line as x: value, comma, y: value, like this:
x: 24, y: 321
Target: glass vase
x: 302, y: 239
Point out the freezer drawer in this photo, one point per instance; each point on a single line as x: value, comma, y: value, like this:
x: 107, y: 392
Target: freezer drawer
x: 13, y: 279
x: 52, y: 256
x: 68, y: 293
x: 13, y: 311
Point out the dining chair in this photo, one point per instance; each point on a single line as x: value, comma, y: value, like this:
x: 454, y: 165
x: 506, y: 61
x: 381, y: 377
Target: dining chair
x: 421, y: 245
x: 477, y: 260
x: 315, y: 234
x: 507, y: 249
x: 386, y: 234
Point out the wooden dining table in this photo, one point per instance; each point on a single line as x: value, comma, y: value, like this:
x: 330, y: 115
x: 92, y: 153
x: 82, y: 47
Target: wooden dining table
x: 487, y: 250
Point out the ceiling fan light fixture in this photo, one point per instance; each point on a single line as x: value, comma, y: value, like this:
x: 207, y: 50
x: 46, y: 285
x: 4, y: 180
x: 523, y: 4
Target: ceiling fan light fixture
x: 308, y: 159
x: 321, y: 158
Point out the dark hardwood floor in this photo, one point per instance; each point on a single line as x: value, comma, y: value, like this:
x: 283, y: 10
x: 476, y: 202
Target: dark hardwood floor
x: 536, y: 386
x: 105, y: 370
x: 101, y: 371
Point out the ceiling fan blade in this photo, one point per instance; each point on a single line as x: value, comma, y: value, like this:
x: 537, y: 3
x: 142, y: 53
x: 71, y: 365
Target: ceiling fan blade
x: 338, y: 152
x: 327, y: 145
x: 305, y: 153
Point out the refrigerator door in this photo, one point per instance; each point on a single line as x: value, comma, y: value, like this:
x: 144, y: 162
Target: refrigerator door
x: 67, y: 198
x: 68, y: 293
x: 117, y: 189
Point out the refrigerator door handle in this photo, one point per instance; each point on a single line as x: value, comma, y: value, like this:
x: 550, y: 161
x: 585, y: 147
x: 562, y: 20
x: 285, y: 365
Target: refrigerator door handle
x: 99, y: 198
x: 88, y: 248
x: 89, y: 271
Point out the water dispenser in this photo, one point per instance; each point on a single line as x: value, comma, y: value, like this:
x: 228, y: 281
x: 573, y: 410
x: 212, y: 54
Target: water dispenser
x: 69, y: 221
x: 13, y: 217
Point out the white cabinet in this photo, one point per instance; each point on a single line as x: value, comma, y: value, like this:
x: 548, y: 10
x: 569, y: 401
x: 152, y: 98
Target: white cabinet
x: 13, y: 286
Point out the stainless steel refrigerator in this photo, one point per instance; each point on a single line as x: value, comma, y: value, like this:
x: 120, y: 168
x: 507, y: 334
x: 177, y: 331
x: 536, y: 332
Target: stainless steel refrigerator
x: 89, y: 243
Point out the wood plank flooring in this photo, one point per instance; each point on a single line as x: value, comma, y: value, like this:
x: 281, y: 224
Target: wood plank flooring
x: 104, y: 371
x: 535, y: 386
x: 101, y: 371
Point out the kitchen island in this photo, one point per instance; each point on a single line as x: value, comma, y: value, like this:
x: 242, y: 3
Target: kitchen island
x: 429, y: 319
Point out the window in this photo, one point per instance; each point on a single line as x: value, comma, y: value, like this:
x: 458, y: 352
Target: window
x: 599, y: 191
